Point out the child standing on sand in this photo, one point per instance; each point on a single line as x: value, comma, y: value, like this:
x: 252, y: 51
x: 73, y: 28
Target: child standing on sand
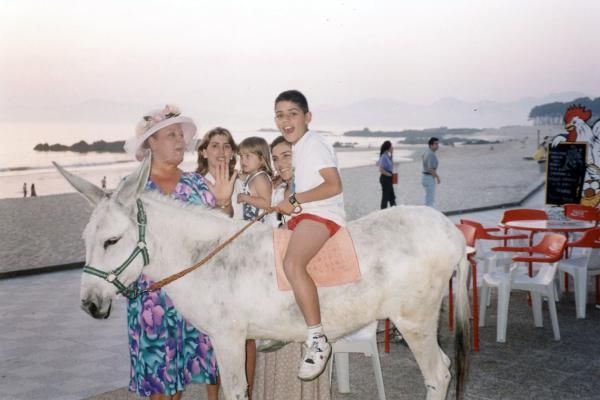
x: 318, y: 204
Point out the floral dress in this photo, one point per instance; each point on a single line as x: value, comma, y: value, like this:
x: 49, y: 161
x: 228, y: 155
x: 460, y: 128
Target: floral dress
x: 166, y: 352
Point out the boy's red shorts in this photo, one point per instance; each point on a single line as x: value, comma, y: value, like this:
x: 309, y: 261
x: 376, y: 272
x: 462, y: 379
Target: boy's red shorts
x: 331, y: 226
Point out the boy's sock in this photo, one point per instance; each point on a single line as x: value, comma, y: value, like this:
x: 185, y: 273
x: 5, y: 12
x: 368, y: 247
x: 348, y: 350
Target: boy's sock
x: 314, y: 332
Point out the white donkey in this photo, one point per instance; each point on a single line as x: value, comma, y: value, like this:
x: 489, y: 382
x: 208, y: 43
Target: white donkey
x: 406, y: 255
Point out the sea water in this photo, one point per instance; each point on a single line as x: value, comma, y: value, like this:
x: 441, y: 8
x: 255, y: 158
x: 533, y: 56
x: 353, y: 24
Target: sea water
x: 20, y: 164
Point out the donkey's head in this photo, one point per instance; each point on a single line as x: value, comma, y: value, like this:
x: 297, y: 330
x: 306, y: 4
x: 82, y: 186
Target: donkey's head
x: 114, y: 237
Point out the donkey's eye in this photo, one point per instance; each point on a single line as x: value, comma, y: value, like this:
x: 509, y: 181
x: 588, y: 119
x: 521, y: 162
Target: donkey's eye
x: 111, y: 241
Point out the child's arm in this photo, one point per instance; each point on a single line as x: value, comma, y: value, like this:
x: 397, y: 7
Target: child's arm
x: 332, y: 185
x: 263, y: 188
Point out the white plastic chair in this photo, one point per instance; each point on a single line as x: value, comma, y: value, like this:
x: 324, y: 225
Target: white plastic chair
x: 582, y: 266
x: 485, y: 239
x: 550, y: 248
x: 362, y: 341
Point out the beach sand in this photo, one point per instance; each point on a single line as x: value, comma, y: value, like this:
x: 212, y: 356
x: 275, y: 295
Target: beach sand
x: 46, y: 231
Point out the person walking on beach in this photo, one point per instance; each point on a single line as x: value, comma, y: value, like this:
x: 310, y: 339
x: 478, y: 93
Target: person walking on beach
x: 103, y: 183
x: 318, y: 204
x: 166, y: 351
x: 33, y: 193
x: 24, y: 189
x: 430, y: 176
x: 385, y: 165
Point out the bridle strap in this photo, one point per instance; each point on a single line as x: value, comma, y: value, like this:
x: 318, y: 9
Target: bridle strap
x: 132, y: 293
x: 113, y: 276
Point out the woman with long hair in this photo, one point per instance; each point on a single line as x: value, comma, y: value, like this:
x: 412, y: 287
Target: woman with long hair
x: 385, y: 165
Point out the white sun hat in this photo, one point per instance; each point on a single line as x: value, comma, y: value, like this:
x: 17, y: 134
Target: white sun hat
x: 155, y: 120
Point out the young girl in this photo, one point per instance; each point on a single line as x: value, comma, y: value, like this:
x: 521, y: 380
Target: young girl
x: 255, y: 161
x: 316, y: 199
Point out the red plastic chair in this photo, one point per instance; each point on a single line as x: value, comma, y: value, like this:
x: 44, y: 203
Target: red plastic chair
x: 521, y: 214
x: 579, y: 212
x: 485, y: 233
x: 550, y: 249
x: 582, y: 267
x: 582, y: 212
x: 469, y: 233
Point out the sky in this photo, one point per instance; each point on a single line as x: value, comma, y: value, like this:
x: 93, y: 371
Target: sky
x: 233, y: 57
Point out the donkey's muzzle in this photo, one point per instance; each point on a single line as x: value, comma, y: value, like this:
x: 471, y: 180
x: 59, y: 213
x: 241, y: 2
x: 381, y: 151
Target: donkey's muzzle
x: 92, y: 309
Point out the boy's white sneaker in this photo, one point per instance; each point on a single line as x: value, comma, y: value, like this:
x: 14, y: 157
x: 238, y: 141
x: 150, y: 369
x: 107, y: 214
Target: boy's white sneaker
x: 315, y: 358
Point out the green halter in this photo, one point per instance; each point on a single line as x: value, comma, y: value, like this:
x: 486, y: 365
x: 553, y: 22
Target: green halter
x: 113, y: 276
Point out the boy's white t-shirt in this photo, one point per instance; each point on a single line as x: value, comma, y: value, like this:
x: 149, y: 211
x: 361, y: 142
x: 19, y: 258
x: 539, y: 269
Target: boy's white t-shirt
x: 238, y: 211
x: 311, y: 154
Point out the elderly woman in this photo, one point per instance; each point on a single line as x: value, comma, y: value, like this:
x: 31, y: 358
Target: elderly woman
x: 167, y: 353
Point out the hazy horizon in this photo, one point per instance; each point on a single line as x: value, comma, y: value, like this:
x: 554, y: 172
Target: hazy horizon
x: 224, y: 62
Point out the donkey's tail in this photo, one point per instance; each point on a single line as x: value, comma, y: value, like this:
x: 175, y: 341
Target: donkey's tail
x: 462, y: 337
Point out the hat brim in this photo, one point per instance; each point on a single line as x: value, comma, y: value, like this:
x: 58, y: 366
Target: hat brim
x: 133, y: 146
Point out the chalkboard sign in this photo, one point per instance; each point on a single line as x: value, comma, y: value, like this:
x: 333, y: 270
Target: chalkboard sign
x: 565, y: 171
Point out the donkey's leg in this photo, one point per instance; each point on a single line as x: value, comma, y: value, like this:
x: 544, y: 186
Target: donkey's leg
x: 230, y: 350
x: 421, y: 337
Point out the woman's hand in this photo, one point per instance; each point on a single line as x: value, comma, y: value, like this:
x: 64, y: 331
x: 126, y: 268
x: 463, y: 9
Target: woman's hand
x: 222, y: 189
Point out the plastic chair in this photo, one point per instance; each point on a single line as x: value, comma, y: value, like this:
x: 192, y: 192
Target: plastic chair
x: 580, y: 212
x: 362, y: 341
x: 484, y: 253
x: 520, y: 214
x: 548, y: 254
x: 469, y: 233
x: 584, y: 266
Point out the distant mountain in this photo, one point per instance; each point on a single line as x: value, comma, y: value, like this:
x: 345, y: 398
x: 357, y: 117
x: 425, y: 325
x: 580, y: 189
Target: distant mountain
x: 376, y: 113
x: 83, y: 147
x: 386, y: 113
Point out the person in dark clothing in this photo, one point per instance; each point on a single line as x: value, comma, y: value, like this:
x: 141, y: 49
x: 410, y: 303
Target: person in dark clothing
x: 385, y: 165
x: 33, y: 193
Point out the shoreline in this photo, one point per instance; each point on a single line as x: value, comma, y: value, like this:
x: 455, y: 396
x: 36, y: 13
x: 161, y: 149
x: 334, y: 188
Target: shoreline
x: 48, y: 181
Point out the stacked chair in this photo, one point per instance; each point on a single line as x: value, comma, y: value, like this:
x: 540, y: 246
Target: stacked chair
x: 362, y: 341
x: 582, y: 266
x: 546, y: 256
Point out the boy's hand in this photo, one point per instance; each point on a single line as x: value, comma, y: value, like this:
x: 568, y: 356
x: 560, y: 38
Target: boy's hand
x: 242, y: 198
x: 284, y: 207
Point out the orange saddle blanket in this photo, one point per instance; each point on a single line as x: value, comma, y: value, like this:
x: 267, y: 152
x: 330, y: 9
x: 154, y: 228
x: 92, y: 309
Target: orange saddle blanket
x: 335, y: 264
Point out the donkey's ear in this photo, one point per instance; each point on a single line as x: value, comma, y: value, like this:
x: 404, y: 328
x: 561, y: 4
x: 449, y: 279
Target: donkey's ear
x: 91, y: 192
x: 132, y: 187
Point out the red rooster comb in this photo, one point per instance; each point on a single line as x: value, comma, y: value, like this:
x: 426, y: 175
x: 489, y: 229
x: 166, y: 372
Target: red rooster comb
x: 577, y: 111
